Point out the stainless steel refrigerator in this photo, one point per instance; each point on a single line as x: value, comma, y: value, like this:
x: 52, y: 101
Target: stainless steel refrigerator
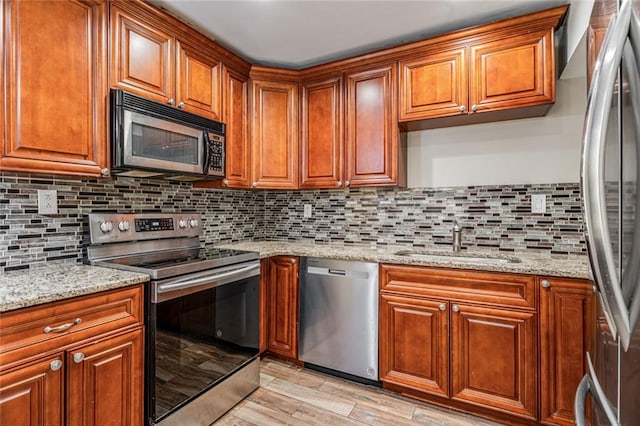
x: 610, y: 168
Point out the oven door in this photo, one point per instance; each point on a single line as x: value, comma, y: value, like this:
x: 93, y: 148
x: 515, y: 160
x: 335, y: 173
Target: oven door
x: 153, y: 143
x: 201, y: 329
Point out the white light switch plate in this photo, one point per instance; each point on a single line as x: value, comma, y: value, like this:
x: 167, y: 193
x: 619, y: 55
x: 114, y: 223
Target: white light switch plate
x: 47, y: 201
x: 307, y: 210
x: 538, y: 203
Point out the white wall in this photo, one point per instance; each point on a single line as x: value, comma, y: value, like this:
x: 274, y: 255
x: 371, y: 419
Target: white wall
x: 534, y: 150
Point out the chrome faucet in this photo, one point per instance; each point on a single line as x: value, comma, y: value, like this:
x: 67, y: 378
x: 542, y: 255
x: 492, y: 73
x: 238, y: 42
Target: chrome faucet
x: 457, y: 236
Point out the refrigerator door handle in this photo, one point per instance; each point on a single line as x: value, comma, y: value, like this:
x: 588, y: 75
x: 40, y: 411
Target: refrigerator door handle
x: 593, y: 175
x: 590, y: 385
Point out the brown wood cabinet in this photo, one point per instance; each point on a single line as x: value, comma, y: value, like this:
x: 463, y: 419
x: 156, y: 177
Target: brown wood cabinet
x: 54, y: 87
x: 567, y: 320
x: 506, y: 69
x: 88, y: 367
x: 149, y: 58
x: 322, y: 133
x: 467, y: 339
x: 372, y: 135
x: 274, y: 134
x: 282, y: 306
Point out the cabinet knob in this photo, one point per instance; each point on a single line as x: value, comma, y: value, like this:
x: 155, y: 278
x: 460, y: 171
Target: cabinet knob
x: 254, y: 184
x: 463, y: 108
x: 171, y: 101
x: 442, y: 307
x: 545, y: 283
x: 181, y: 105
x: 346, y: 183
x: 292, y: 261
x: 225, y: 182
x: 78, y: 357
x: 339, y: 183
x: 455, y: 308
x: 56, y: 365
x: 474, y: 108
x: 104, y: 172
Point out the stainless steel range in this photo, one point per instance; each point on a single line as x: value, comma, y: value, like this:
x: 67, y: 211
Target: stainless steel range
x: 202, y: 313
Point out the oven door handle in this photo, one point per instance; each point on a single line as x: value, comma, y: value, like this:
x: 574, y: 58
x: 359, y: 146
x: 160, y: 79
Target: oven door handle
x: 214, y: 279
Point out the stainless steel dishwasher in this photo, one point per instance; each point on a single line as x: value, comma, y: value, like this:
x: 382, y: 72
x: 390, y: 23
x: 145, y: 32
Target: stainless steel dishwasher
x: 339, y: 316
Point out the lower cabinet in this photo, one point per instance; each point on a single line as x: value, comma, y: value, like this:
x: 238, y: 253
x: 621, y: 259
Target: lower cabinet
x: 281, y: 288
x: 507, y: 346
x: 74, y: 362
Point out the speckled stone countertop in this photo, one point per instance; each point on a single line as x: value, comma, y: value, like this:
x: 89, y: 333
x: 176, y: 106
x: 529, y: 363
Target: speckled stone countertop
x: 57, y: 281
x: 520, y: 262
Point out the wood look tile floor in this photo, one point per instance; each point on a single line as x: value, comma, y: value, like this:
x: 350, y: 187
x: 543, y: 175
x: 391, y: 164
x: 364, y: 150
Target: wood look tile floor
x: 290, y: 395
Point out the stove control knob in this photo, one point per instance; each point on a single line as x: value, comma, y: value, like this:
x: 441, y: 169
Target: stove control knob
x: 123, y: 226
x: 182, y: 223
x: 106, y: 227
x: 193, y: 223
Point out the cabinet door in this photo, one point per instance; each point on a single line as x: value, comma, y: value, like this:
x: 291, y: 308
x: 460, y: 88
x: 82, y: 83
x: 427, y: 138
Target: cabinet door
x: 493, y: 359
x: 198, y: 87
x: 372, y: 127
x: 566, y: 329
x: 33, y: 394
x: 235, y: 115
x: 414, y: 343
x: 141, y: 57
x: 55, y: 87
x: 275, y: 134
x: 105, y: 382
x: 282, y: 300
x: 434, y: 85
x: 322, y: 134
x: 512, y: 72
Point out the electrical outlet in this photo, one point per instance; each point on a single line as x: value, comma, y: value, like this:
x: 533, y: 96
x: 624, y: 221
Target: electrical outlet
x: 307, y: 210
x: 538, y: 203
x: 47, y: 201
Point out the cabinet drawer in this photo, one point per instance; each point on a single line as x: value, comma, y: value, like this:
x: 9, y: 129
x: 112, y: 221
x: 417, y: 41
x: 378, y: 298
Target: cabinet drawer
x: 501, y: 289
x: 71, y: 320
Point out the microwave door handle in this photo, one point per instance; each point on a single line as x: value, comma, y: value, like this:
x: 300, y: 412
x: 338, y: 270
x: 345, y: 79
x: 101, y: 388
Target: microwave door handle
x: 206, y: 151
x: 590, y: 385
x: 593, y: 173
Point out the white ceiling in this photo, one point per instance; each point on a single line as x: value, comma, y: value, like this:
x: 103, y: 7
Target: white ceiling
x: 297, y: 34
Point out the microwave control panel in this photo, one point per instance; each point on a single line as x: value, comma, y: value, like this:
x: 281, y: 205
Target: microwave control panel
x: 216, y: 155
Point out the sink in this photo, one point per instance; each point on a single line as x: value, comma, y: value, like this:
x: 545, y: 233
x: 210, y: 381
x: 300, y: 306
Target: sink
x: 456, y: 257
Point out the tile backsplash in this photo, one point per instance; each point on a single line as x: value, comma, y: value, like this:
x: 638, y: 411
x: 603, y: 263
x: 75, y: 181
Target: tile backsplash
x: 493, y: 217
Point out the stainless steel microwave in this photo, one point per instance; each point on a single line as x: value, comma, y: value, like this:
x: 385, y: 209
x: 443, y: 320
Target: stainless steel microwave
x: 150, y: 139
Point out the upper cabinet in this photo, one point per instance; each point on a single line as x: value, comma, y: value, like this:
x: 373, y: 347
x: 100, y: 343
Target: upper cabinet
x: 274, y: 134
x: 54, y: 87
x: 236, y: 116
x: 371, y: 127
x: 150, y: 60
x: 493, y: 72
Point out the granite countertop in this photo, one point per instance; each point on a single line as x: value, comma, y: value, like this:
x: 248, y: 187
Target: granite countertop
x: 520, y: 262
x: 48, y: 283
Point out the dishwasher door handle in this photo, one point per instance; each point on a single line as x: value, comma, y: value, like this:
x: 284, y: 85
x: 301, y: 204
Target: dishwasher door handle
x: 314, y: 270
x: 338, y: 272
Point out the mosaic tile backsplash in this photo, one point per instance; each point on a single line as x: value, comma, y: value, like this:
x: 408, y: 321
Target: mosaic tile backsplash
x: 493, y: 217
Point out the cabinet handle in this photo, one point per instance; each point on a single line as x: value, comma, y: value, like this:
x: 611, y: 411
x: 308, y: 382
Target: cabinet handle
x: 254, y: 184
x: 462, y: 108
x: 56, y: 365
x: 171, y: 101
x: 455, y: 308
x: 292, y: 261
x: 104, y: 172
x: 225, y: 182
x: 78, y: 357
x: 442, y: 307
x: 545, y: 283
x: 474, y: 108
x: 63, y: 327
x: 346, y: 183
x: 339, y: 184
x: 181, y: 105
